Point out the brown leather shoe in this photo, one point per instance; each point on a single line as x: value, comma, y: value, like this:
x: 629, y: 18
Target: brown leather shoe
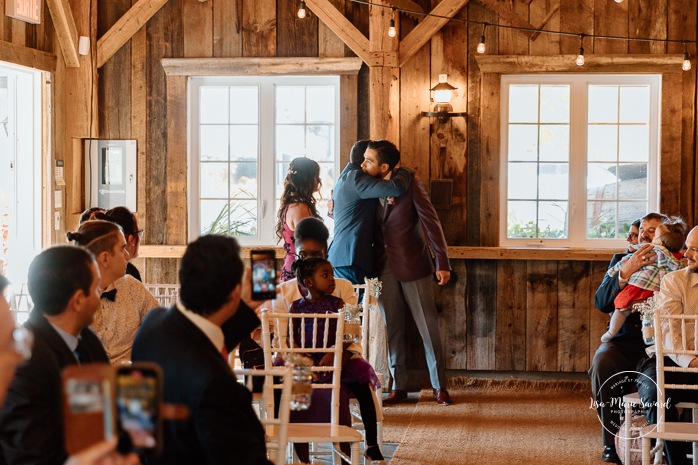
x: 442, y: 397
x: 395, y: 397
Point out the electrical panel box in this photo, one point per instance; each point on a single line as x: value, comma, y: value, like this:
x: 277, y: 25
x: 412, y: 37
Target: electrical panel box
x: 110, y: 173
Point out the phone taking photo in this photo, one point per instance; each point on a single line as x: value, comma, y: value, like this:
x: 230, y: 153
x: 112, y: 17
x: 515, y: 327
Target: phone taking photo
x: 263, y: 274
x: 138, y: 399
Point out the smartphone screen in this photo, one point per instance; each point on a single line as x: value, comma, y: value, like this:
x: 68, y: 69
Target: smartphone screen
x: 138, y: 394
x: 263, y: 274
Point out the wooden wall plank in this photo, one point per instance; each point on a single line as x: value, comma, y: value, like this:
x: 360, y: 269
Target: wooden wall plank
x: 510, y: 346
x: 139, y: 121
x: 176, y: 160
x: 329, y: 45
x: 598, y: 321
x: 545, y: 44
x: 647, y: 18
x: 670, y: 157
x: 295, y: 37
x: 576, y: 17
x: 259, y: 28
x: 197, y: 20
x: 453, y: 319
x: 512, y: 41
x: 573, y: 290
x: 227, y: 28
x: 348, y: 131
x: 542, y: 317
x: 18, y: 32
x: 610, y: 19
x: 482, y: 315
x: 490, y: 160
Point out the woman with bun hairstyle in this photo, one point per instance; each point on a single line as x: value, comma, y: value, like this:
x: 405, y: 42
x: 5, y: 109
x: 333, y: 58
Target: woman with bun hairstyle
x: 297, y: 202
x: 125, y: 301
x: 129, y: 224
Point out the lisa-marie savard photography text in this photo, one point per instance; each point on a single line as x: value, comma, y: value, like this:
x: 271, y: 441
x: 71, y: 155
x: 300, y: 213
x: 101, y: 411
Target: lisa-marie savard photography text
x: 618, y: 402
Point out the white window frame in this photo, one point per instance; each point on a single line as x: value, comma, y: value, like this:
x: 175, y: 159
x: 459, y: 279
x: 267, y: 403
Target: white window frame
x: 267, y: 197
x: 578, y: 148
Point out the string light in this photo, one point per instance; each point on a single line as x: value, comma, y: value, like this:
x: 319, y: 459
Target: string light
x: 392, y: 32
x: 619, y: 1
x: 529, y: 29
x: 301, y: 10
x: 686, y: 65
x: 481, y: 45
x: 580, y: 55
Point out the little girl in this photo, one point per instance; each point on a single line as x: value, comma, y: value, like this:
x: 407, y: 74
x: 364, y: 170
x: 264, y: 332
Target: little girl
x: 668, y: 241
x: 316, y: 277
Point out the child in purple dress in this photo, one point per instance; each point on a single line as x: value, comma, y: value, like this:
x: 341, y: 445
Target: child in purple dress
x: 316, y: 278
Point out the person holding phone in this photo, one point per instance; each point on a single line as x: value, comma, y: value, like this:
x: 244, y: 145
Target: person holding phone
x: 189, y: 342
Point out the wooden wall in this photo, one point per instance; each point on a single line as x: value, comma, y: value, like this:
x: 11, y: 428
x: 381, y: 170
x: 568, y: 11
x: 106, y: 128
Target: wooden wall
x: 532, y: 315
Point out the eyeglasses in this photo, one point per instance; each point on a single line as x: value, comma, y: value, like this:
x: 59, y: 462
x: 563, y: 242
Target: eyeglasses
x: 141, y: 231
x: 632, y: 235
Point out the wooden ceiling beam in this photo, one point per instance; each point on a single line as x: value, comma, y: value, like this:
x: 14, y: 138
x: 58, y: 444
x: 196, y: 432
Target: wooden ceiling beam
x: 27, y: 56
x: 341, y: 26
x: 66, y: 31
x: 510, y: 17
x: 122, y: 31
x: 425, y: 30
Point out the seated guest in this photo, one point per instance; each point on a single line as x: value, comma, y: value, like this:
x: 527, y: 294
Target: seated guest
x: 129, y: 225
x: 188, y: 343
x: 633, y: 235
x: 124, y: 301
x: 63, y: 283
x: 90, y: 213
x: 678, y: 295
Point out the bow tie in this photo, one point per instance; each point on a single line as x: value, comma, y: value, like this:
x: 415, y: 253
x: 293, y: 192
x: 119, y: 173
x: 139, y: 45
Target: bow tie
x: 109, y: 295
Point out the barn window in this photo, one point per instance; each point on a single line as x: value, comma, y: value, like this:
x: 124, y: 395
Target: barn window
x: 579, y: 157
x: 244, y: 133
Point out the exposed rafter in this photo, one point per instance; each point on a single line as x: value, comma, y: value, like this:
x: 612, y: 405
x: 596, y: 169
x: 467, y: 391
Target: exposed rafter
x: 545, y: 21
x: 425, y: 30
x: 341, y: 26
x: 122, y: 31
x: 66, y: 31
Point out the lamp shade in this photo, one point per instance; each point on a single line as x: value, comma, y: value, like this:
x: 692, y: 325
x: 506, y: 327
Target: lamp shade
x: 442, y: 90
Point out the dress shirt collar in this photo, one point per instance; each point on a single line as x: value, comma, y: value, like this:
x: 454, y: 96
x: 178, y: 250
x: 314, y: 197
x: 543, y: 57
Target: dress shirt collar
x: 70, y: 340
x: 213, y: 332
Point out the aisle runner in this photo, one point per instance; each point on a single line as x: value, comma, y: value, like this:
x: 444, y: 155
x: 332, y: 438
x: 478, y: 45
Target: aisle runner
x: 498, y: 422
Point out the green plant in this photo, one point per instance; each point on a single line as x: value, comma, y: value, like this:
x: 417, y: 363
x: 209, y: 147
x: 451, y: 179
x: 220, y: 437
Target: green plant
x: 222, y: 224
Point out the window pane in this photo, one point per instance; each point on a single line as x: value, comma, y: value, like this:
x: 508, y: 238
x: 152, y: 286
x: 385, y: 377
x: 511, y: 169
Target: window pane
x: 244, y: 142
x: 555, y: 104
x: 213, y: 105
x: 552, y: 220
x: 523, y: 181
x: 554, y: 143
x: 243, y: 218
x: 214, y: 216
x: 320, y: 103
x: 243, y: 183
x: 627, y: 213
x: 214, y: 180
x: 602, y: 142
x: 290, y: 142
x: 523, y: 142
x: 320, y: 142
x: 244, y: 105
x: 523, y: 103
x: 213, y: 143
x: 521, y: 222
x: 634, y: 104
x: 633, y: 181
x: 290, y: 104
x: 281, y: 169
x: 601, y: 220
x: 601, y: 181
x: 603, y: 104
x: 554, y: 181
x: 634, y: 143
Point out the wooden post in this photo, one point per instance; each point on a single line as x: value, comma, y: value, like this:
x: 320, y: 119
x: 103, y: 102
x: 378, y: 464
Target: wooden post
x: 384, y: 76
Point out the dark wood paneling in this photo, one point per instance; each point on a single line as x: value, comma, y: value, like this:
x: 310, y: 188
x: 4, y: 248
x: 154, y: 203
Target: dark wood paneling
x: 481, y: 314
x: 542, y: 317
x: 647, y: 18
x: 573, y: 310
x: 610, y: 19
x: 295, y: 37
x: 259, y: 28
x: 576, y: 17
x: 511, y: 315
x: 227, y: 28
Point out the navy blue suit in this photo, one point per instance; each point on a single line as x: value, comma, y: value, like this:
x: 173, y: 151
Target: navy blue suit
x: 621, y: 354
x: 355, y: 199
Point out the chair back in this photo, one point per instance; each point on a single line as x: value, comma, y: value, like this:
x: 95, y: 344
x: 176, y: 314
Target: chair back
x: 276, y: 428
x: 165, y: 294
x: 312, y: 334
x: 367, y: 295
x: 674, y: 335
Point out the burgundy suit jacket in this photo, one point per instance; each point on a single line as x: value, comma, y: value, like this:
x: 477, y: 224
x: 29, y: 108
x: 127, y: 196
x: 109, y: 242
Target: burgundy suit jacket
x: 410, y: 226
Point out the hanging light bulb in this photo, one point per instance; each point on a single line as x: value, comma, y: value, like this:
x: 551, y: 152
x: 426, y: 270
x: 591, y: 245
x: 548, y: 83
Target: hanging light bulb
x: 301, y: 10
x: 392, y: 32
x: 619, y: 1
x: 481, y: 46
x: 580, y: 55
x: 686, y: 65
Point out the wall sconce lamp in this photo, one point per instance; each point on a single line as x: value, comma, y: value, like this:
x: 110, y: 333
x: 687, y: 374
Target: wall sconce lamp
x: 443, y: 110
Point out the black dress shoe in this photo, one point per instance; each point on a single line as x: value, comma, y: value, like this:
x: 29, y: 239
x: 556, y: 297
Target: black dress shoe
x: 395, y: 397
x: 609, y: 455
x: 442, y: 397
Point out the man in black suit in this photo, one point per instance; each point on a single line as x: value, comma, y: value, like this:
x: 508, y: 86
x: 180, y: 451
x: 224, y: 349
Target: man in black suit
x: 188, y: 343
x: 63, y: 284
x: 626, y: 349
